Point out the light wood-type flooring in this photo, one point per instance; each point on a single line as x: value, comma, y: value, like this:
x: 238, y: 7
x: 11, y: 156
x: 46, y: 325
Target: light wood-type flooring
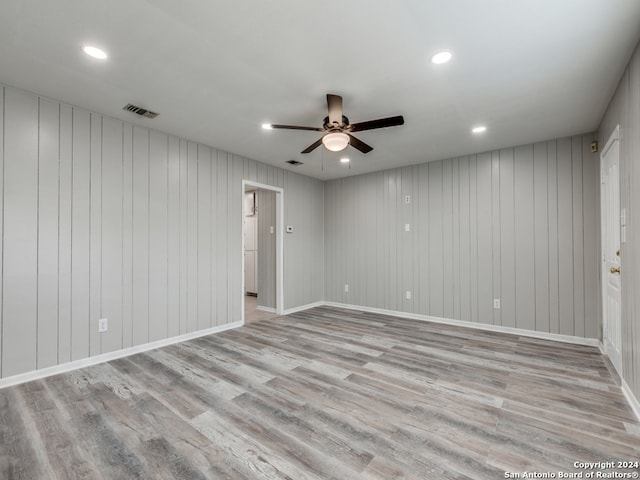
x: 324, y: 394
x: 251, y: 312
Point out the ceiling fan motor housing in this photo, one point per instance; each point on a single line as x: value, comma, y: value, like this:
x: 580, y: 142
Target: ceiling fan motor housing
x: 329, y: 126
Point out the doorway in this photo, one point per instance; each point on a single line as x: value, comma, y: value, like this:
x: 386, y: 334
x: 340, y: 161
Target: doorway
x: 613, y: 236
x: 262, y: 251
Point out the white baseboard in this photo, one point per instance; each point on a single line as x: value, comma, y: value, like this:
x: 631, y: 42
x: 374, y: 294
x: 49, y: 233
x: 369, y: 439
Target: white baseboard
x: 631, y: 398
x: 592, y: 342
x: 626, y: 389
x: 304, y: 307
x: 105, y: 357
x: 266, y: 309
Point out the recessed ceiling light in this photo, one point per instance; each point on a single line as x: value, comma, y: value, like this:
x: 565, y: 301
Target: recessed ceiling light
x: 441, y: 57
x: 344, y: 160
x: 267, y: 126
x: 479, y: 129
x: 94, y: 52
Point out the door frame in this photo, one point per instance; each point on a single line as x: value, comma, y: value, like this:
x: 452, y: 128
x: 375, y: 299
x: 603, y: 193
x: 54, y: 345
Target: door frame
x: 279, y: 231
x: 617, y: 362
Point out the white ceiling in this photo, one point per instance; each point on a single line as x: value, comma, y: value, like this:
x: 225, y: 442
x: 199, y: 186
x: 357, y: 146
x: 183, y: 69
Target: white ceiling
x: 215, y: 71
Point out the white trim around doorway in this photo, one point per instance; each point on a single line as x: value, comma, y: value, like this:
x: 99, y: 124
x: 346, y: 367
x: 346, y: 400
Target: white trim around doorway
x: 279, y: 244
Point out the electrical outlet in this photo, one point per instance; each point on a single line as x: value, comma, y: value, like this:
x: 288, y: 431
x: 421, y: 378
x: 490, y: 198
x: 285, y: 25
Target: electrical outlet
x: 346, y: 287
x: 496, y: 303
x: 271, y: 229
x: 103, y: 325
x: 407, y: 199
x: 407, y: 227
x: 408, y: 295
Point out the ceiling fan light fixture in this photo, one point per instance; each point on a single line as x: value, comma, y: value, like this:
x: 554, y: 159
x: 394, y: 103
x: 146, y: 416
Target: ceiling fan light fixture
x: 267, y: 126
x: 336, y: 141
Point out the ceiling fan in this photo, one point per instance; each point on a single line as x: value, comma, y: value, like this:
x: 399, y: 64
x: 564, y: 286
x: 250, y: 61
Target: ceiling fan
x: 338, y: 129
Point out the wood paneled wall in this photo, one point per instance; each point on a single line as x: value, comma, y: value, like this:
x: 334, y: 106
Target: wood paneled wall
x: 267, y: 249
x: 101, y: 218
x: 624, y: 110
x: 518, y: 224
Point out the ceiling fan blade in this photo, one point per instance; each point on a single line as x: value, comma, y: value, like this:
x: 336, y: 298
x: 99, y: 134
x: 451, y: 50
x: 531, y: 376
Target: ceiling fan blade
x: 313, y: 146
x: 334, y: 103
x: 295, y: 127
x: 359, y: 144
x: 380, y: 123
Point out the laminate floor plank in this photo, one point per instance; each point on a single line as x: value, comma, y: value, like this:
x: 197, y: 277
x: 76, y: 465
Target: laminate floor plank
x: 56, y: 440
x: 373, y: 434
x: 391, y: 417
x: 18, y: 459
x: 327, y: 393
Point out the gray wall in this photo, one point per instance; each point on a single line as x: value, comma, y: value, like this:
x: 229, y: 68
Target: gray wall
x: 518, y: 224
x: 624, y: 110
x: 304, y: 261
x: 101, y: 218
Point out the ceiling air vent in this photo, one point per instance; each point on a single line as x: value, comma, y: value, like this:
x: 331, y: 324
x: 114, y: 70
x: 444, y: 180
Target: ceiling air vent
x: 295, y: 163
x: 143, y: 112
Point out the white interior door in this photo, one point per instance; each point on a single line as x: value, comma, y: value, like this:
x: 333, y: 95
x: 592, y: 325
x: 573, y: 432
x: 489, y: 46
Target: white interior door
x: 611, y: 240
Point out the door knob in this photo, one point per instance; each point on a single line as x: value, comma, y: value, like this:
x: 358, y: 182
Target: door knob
x: 614, y: 270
